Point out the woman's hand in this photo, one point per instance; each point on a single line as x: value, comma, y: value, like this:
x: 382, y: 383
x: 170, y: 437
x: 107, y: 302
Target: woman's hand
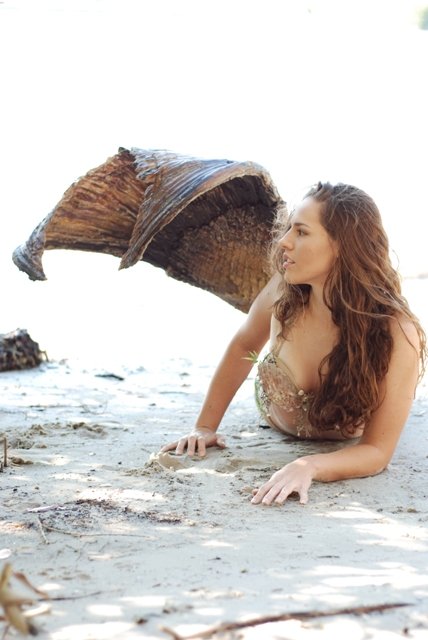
x: 295, y: 477
x: 196, y: 442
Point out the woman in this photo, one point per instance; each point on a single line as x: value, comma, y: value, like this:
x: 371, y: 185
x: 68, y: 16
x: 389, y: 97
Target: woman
x: 345, y: 354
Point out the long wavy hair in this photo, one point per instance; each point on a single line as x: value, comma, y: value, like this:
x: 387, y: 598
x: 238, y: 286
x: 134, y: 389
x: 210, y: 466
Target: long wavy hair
x: 363, y: 293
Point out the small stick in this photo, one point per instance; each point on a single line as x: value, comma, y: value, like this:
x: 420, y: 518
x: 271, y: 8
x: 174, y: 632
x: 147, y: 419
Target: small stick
x: 84, y: 595
x: 90, y: 535
x: 173, y: 634
x: 5, y: 451
x: 298, y: 615
x: 42, y: 533
x: 43, y: 509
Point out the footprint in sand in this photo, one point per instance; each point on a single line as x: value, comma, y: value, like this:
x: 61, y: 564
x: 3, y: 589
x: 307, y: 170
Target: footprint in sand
x: 171, y: 461
x: 215, y: 462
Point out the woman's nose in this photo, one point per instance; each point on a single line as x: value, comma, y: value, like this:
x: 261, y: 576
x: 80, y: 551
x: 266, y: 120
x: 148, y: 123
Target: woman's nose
x: 285, y: 240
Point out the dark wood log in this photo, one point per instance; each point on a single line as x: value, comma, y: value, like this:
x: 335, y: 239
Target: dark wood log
x: 205, y: 222
x: 19, y: 351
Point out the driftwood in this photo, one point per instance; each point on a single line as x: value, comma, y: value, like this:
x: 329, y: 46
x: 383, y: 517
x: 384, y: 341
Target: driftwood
x: 19, y: 351
x: 4, y: 462
x: 14, y: 603
x: 205, y: 222
x: 224, y: 627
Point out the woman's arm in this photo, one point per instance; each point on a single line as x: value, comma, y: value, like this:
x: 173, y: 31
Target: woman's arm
x: 375, y: 449
x: 231, y: 372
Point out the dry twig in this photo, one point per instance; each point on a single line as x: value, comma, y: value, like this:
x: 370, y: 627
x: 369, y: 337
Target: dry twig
x: 48, y: 527
x: 42, y: 533
x: 80, y: 597
x: 3, y: 464
x: 13, y: 603
x: 281, y: 617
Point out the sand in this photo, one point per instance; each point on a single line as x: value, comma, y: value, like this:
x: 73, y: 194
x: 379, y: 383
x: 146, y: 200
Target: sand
x: 127, y: 542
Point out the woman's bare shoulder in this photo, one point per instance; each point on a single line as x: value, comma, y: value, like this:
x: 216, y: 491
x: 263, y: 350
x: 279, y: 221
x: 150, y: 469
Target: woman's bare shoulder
x: 259, y: 316
x: 404, y: 331
x: 273, y: 288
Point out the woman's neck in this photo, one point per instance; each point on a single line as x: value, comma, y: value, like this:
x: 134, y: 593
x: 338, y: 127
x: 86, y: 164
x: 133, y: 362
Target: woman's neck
x: 316, y: 305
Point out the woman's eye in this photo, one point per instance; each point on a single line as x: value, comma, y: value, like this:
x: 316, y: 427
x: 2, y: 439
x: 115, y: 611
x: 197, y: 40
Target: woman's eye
x: 300, y: 232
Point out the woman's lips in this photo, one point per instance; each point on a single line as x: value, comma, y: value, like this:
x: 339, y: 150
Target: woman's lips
x: 288, y: 263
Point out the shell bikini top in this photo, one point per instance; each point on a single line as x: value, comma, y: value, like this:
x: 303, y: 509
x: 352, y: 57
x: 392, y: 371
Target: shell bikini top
x: 284, y: 406
x: 280, y: 401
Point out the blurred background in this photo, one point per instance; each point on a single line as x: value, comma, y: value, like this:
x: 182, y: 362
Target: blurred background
x: 310, y: 89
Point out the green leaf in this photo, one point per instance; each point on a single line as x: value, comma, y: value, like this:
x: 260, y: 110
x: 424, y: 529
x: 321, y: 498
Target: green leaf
x: 253, y: 357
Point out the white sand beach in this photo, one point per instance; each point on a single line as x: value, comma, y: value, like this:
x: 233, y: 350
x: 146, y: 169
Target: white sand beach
x: 127, y: 542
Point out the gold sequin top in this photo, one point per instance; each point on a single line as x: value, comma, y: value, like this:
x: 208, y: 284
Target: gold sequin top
x: 282, y: 404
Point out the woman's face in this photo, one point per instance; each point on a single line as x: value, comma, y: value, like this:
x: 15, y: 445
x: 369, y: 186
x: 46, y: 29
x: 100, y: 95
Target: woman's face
x: 309, y: 252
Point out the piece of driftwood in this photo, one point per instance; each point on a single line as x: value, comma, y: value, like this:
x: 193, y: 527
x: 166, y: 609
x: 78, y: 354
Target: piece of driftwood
x: 205, y: 222
x: 283, y: 617
x: 19, y: 351
x: 4, y: 462
x: 14, y: 604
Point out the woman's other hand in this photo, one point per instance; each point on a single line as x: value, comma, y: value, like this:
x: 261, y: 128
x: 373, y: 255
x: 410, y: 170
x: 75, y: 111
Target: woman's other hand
x: 295, y: 477
x: 196, y: 442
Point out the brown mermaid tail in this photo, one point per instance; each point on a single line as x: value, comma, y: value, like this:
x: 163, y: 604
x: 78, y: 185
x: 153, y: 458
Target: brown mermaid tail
x: 205, y: 222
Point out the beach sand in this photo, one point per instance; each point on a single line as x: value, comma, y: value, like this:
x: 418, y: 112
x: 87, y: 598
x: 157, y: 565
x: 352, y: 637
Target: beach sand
x: 128, y: 542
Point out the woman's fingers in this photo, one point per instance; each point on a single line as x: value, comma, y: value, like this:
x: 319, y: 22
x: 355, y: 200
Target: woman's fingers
x: 169, y: 447
x: 191, y: 445
x: 304, y: 496
x: 202, y: 449
x: 195, y: 443
x: 221, y: 442
x: 278, y: 494
x: 199, y: 443
x: 262, y: 493
x: 293, y: 478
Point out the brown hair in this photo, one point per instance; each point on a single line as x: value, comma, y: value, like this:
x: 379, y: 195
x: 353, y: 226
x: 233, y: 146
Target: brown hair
x: 363, y: 293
